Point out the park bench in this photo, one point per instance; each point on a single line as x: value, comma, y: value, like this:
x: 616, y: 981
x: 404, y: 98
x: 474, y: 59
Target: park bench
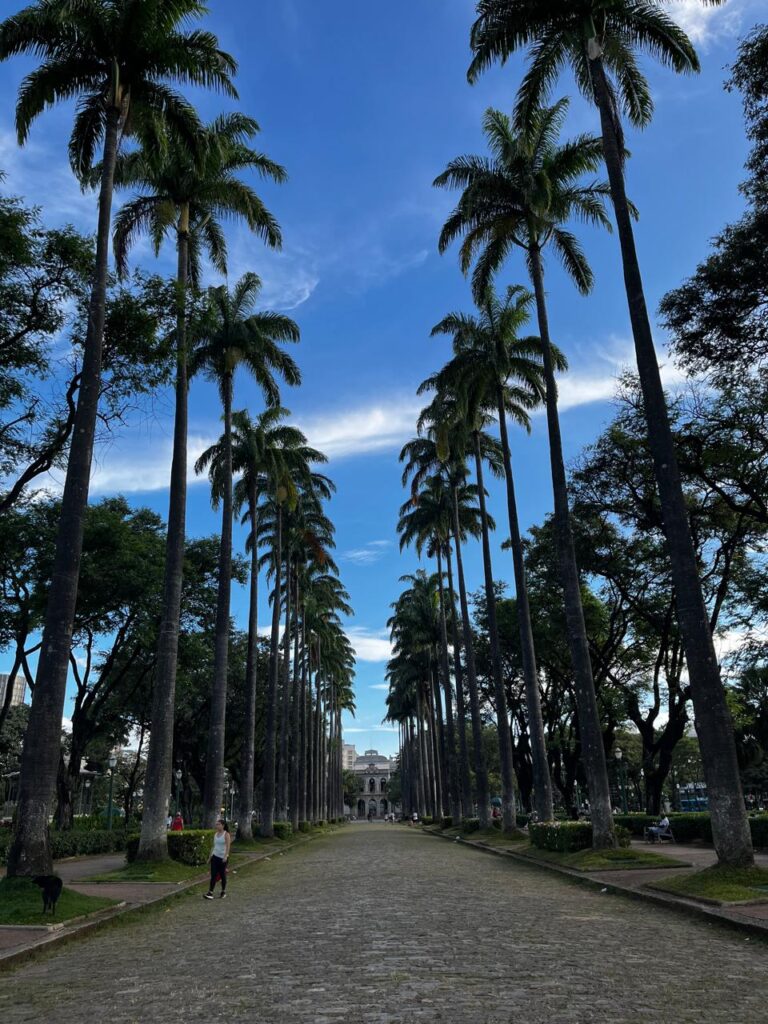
x: 667, y: 835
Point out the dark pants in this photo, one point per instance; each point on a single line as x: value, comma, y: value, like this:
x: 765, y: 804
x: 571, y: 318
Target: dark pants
x: 218, y: 869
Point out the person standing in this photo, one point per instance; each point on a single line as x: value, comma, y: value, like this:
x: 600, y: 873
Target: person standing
x: 222, y: 841
x: 177, y: 825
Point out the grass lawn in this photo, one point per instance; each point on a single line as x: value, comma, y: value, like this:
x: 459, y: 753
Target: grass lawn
x: 604, y: 860
x: 493, y: 837
x: 21, y: 902
x: 162, y: 871
x: 719, y: 884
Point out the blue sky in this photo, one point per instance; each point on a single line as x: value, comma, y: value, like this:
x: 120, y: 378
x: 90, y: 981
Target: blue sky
x: 364, y: 110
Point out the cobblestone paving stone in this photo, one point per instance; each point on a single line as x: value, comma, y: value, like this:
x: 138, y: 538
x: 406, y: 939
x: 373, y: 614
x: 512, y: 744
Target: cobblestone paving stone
x: 381, y: 925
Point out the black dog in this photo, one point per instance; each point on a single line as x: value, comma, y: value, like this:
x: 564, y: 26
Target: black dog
x: 51, y: 886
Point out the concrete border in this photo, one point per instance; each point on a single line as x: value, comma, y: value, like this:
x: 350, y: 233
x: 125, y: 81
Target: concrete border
x: 710, y: 914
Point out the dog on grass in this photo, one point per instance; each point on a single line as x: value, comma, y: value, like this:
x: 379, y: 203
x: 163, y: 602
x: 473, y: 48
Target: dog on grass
x: 51, y: 886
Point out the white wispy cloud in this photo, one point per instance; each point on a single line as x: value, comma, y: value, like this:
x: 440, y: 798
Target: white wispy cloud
x: 705, y: 23
x: 369, y: 644
x: 369, y: 553
x: 379, y: 686
x: 370, y: 728
x: 382, y: 424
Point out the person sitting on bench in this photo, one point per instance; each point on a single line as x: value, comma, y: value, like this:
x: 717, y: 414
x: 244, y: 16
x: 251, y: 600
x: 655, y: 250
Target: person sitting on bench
x: 658, y: 830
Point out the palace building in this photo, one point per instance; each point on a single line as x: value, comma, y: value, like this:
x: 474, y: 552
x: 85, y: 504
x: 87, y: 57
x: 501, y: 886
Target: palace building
x: 374, y: 771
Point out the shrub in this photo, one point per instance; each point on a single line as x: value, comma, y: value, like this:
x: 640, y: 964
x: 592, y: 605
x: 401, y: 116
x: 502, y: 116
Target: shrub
x: 470, y: 825
x: 496, y: 823
x: 283, y: 830
x: 446, y: 821
x: 522, y: 820
x: 561, y: 836
x: 305, y: 826
x: 75, y: 843
x: 623, y: 836
x: 318, y: 824
x: 191, y: 847
x: 427, y: 820
x: 759, y: 829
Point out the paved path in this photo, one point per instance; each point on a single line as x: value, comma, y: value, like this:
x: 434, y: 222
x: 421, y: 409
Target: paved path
x: 383, y: 925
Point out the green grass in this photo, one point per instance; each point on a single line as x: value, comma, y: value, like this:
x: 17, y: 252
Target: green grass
x: 493, y: 837
x: 719, y: 884
x: 21, y: 902
x: 160, y: 871
x: 604, y: 860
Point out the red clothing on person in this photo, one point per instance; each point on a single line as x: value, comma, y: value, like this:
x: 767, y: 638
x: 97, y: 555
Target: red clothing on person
x: 177, y: 825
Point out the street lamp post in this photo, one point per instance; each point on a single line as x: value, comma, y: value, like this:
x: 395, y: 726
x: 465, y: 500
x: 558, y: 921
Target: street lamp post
x: 87, y: 808
x: 618, y: 754
x: 112, y: 763
x: 177, y: 774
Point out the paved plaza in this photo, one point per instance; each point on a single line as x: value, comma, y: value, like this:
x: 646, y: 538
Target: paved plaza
x: 381, y: 924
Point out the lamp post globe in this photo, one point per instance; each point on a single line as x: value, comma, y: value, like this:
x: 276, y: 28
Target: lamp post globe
x: 112, y: 764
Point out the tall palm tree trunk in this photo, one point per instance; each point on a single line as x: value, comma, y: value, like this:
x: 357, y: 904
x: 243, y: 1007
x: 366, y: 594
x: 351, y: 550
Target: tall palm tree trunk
x: 590, y: 733
x: 441, y: 754
x: 452, y: 789
x: 508, y: 808
x: 303, y: 730
x: 30, y: 853
x: 295, y: 737
x: 285, y: 704
x: 248, y: 756
x: 481, y: 770
x: 214, y: 761
x: 714, y: 727
x: 267, y: 828
x: 418, y: 769
x: 158, y: 783
x: 461, y: 712
x: 542, y: 784
x: 425, y: 739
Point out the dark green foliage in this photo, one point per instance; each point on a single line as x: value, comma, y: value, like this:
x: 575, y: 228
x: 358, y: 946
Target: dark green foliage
x: 191, y: 847
x: 470, y: 825
x: 427, y: 820
x: 561, y: 836
x: 283, y: 829
x: 75, y: 843
x: 446, y: 821
x: 305, y: 826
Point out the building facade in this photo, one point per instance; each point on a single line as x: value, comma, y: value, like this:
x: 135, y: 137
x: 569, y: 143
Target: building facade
x: 374, y: 771
x: 348, y: 756
x: 19, y: 691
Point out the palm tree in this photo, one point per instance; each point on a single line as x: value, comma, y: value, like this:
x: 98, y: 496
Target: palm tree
x: 425, y: 521
x: 522, y: 197
x: 425, y: 456
x: 117, y: 57
x: 254, y: 444
x: 600, y: 42
x: 502, y: 369
x: 234, y: 336
x: 185, y: 196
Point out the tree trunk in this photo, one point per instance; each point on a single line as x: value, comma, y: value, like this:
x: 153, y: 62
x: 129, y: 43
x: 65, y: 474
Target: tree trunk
x: 452, y: 788
x: 438, y: 742
x: 153, y: 844
x: 267, y: 828
x: 714, y: 727
x: 304, y: 730
x: 508, y: 808
x: 214, y: 761
x: 586, y: 700
x: 285, y: 704
x: 295, y: 737
x: 248, y: 756
x: 461, y: 714
x: 542, y: 785
x: 418, y: 768
x: 29, y: 853
x: 481, y: 771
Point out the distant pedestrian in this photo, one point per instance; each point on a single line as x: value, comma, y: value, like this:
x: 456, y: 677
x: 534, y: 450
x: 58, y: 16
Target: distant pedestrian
x: 177, y: 825
x: 222, y: 841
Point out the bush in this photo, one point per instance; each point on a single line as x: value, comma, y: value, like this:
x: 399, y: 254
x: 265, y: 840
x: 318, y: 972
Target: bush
x: 522, y: 820
x: 427, y: 820
x: 283, y: 830
x: 318, y: 824
x: 470, y: 825
x: 496, y: 823
x: 759, y: 828
x: 305, y: 826
x: 190, y: 847
x: 75, y: 843
x: 623, y: 836
x: 446, y: 821
x: 561, y: 836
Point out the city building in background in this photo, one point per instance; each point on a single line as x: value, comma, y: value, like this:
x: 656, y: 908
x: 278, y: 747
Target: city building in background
x: 348, y: 756
x: 374, y: 771
x: 19, y: 685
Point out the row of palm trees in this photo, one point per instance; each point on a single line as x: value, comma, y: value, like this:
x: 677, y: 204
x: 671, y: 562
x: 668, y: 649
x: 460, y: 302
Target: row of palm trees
x: 524, y: 197
x: 122, y: 60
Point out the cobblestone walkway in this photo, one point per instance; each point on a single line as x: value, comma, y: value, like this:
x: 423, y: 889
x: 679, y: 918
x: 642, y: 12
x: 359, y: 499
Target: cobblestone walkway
x: 380, y: 925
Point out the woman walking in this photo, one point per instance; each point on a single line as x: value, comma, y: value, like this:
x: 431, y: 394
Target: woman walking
x: 222, y: 841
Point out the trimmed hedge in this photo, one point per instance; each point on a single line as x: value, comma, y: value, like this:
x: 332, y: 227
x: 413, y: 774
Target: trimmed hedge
x: 427, y: 820
x: 689, y: 827
x: 446, y: 821
x: 75, y: 843
x: 283, y: 829
x: 561, y: 836
x: 470, y: 825
x: 305, y: 826
x: 190, y: 847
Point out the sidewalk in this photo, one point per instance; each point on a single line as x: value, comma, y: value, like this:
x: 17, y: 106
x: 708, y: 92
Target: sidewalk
x: 751, y: 917
x: 18, y: 942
